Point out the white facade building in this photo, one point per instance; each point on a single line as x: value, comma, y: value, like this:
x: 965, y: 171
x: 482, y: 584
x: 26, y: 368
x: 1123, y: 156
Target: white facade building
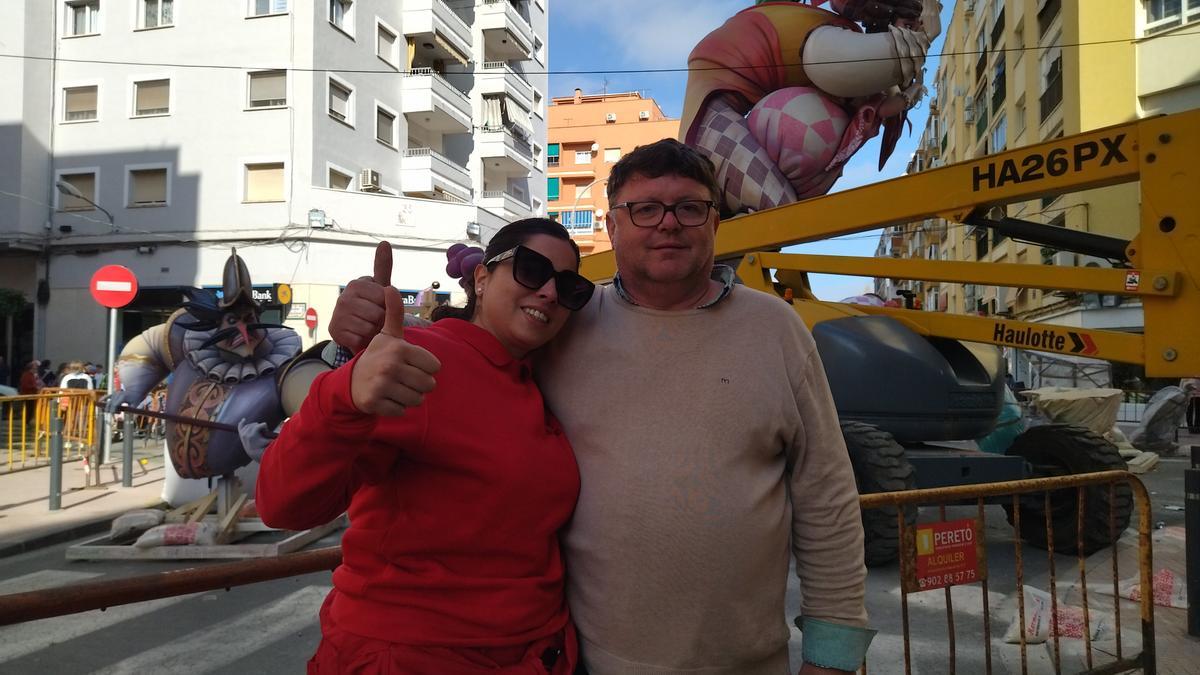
x: 300, y: 131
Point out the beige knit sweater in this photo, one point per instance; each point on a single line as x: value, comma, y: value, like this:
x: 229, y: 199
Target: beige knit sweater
x: 707, y: 443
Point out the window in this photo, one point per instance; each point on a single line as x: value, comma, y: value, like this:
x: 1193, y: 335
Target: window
x: 552, y: 154
x: 339, y: 180
x: 1166, y: 14
x: 339, y: 101
x: 147, y: 187
x: 1051, y: 67
x: 151, y: 97
x: 156, y: 13
x: 552, y: 189
x: 268, y: 7
x: 1000, y: 133
x: 341, y: 14
x: 580, y: 221
x: 85, y: 183
x: 385, y: 127
x: 583, y: 157
x: 82, y: 17
x: 612, y: 154
x: 268, y: 89
x: 264, y: 182
x: 553, y: 215
x: 79, y: 104
x: 385, y: 44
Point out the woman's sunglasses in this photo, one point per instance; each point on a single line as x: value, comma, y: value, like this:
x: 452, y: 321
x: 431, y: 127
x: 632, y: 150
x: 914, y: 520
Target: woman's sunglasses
x: 532, y: 270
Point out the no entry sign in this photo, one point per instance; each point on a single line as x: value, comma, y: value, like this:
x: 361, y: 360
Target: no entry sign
x: 944, y: 554
x: 114, y: 286
x: 310, y: 318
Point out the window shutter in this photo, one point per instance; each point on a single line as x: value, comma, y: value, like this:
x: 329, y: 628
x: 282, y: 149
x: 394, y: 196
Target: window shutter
x: 153, y: 97
x: 148, y: 186
x: 268, y: 89
x: 81, y: 103
x: 552, y: 189
x: 264, y: 182
x: 86, y: 184
x: 339, y: 101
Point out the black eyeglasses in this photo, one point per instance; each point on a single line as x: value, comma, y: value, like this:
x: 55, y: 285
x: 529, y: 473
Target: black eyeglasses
x: 532, y: 270
x: 688, y: 213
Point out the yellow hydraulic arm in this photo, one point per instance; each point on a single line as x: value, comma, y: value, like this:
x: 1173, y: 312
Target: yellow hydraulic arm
x: 1160, y: 152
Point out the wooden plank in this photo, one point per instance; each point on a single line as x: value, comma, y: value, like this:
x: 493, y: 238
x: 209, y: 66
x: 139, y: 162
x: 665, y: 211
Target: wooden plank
x: 97, y: 549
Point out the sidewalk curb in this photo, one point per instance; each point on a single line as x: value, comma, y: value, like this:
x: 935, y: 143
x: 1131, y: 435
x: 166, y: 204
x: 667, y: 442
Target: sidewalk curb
x: 83, y: 529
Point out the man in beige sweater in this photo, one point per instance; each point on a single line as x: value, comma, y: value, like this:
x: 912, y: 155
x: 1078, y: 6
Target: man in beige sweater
x: 708, y: 445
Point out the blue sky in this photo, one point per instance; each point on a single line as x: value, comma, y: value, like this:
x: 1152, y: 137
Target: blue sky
x: 590, y: 42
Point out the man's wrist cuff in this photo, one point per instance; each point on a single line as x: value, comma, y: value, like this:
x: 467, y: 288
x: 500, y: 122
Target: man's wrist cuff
x: 835, y: 645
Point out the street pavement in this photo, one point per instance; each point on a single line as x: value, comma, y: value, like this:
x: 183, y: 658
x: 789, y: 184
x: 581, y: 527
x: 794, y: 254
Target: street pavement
x: 272, y: 627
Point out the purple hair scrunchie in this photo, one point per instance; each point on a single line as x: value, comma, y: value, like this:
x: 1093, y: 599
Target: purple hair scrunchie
x: 461, y: 261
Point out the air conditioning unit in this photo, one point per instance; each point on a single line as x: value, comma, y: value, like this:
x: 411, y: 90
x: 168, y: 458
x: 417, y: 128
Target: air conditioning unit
x: 969, y: 110
x: 644, y: 115
x: 368, y: 180
x: 610, y: 117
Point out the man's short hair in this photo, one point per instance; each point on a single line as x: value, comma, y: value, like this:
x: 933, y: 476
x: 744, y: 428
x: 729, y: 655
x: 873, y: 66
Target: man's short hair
x: 667, y: 157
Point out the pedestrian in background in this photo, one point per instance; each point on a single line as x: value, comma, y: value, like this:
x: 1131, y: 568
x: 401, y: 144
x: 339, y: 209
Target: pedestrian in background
x: 31, y: 381
x: 1191, y: 387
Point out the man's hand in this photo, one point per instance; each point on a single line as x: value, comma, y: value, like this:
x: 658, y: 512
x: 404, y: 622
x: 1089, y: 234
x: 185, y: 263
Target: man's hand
x: 358, y: 314
x: 392, y: 374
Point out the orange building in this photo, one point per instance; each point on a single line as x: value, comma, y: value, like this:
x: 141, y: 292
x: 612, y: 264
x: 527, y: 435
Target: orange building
x: 586, y: 135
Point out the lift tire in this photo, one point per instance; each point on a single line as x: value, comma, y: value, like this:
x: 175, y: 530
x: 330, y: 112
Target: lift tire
x: 880, y: 465
x: 1063, y: 449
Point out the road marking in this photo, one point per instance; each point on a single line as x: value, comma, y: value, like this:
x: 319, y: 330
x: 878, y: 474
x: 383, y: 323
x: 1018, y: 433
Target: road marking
x: 43, y: 579
x: 33, y: 636
x: 215, y: 648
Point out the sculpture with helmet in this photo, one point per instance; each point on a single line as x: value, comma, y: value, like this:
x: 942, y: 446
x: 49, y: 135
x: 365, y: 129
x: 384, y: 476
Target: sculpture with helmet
x: 225, y: 366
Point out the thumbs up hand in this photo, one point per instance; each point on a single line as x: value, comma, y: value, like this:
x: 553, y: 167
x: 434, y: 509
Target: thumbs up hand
x: 358, y: 314
x: 392, y: 374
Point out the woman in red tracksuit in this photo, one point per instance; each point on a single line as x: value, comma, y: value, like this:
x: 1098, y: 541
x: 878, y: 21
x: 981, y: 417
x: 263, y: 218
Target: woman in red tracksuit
x: 451, y: 564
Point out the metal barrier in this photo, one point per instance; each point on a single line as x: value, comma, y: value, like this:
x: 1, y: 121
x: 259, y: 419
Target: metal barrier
x: 969, y: 536
x: 106, y: 593
x: 25, y: 427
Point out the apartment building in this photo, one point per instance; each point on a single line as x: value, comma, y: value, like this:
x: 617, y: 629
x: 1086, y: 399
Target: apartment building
x: 587, y: 134
x: 1019, y: 72
x: 158, y: 134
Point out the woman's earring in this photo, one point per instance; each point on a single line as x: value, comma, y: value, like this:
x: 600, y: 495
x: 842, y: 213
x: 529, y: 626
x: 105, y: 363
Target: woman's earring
x: 478, y: 290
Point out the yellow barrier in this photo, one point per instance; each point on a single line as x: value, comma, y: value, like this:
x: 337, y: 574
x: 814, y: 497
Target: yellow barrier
x: 25, y: 427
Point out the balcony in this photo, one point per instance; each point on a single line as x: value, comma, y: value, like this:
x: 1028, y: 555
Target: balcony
x: 504, y: 151
x: 998, y: 29
x: 437, y: 31
x: 506, y: 205
x: 427, y: 173
x: 429, y: 101
x: 1051, y: 97
x: 1046, y: 15
x: 507, y: 36
x: 497, y: 77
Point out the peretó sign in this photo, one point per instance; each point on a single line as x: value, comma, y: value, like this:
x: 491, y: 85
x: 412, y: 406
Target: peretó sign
x: 944, y: 554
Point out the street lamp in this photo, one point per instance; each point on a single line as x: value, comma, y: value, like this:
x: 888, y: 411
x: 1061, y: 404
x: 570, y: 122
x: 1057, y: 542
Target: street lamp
x: 72, y: 191
x: 579, y: 195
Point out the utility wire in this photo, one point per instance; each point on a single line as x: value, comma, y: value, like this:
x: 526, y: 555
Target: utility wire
x: 619, y: 71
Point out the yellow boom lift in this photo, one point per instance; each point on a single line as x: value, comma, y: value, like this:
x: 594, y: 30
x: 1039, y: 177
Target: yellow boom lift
x: 906, y: 379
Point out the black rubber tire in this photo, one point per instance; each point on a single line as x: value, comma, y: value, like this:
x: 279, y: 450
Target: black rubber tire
x: 1063, y: 449
x: 880, y: 465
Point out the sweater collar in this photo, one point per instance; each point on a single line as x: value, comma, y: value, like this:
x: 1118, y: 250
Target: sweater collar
x: 722, y: 274
x: 481, y: 341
